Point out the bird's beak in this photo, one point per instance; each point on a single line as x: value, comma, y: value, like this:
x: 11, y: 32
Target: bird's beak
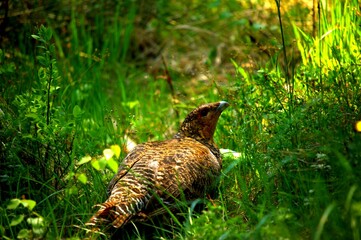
x: 222, y: 105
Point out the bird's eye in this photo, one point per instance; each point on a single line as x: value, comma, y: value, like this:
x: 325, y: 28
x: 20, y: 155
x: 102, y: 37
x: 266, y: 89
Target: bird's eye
x: 204, y: 112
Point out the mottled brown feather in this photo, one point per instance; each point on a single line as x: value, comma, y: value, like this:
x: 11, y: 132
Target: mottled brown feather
x: 163, y: 171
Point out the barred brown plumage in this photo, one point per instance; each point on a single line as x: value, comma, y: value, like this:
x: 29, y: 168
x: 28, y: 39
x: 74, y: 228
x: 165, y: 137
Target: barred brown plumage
x: 157, y: 173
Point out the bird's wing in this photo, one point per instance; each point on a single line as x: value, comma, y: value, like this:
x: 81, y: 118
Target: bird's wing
x: 132, y: 158
x: 184, y: 173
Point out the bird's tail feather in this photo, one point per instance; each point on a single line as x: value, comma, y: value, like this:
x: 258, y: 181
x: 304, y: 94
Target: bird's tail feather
x: 115, y: 213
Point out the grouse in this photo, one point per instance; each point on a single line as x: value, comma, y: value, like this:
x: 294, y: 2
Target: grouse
x: 156, y: 174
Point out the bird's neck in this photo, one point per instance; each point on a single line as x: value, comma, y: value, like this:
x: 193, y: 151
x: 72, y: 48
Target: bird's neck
x: 207, y: 142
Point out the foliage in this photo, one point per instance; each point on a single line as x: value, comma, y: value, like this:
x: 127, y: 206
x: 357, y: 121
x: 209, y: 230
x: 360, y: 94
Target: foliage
x: 302, y: 144
x: 96, y: 77
x: 41, y: 125
x: 20, y: 212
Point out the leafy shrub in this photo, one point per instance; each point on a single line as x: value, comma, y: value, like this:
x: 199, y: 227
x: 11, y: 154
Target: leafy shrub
x: 19, y: 212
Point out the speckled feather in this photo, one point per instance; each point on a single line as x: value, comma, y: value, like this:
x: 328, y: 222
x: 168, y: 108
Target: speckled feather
x: 186, y: 165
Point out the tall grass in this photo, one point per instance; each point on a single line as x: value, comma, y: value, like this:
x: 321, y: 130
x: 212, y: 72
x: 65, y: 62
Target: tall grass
x: 300, y: 167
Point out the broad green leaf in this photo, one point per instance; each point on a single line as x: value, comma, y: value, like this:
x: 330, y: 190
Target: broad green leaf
x: 108, y: 153
x: 102, y: 163
x: 116, y: 150
x: 113, y: 165
x: 14, y: 203
x: 84, y: 160
x: 17, y: 220
x: 24, y: 234
x: 39, y: 221
x: 99, y: 164
x: 96, y: 164
x: 38, y: 225
x: 82, y: 178
x: 72, y: 190
x: 39, y: 230
x: 30, y: 204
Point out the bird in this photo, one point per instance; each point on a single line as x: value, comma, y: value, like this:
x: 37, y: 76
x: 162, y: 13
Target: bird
x: 157, y: 174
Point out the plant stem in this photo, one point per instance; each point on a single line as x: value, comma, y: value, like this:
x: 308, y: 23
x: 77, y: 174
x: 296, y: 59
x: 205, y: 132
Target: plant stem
x: 48, y: 91
x: 288, y: 82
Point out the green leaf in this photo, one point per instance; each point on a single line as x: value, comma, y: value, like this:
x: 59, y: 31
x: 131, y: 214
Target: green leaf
x: 42, y: 47
x: 96, y: 164
x: 72, y: 190
x: 14, y: 203
x: 17, y: 220
x: 77, y: 112
x: 48, y: 34
x: 113, y: 165
x: 84, y: 160
x: 39, y: 230
x: 42, y: 31
x: 82, y: 178
x: 52, y: 50
x: 38, y: 225
x: 43, y: 60
x: 131, y: 104
x: 24, y: 234
x: 34, y: 116
x: 108, y: 153
x: 116, y: 150
x: 36, y: 37
x: 39, y: 221
x: 240, y: 70
x: 99, y: 164
x: 42, y: 73
x: 30, y: 204
x: 102, y: 163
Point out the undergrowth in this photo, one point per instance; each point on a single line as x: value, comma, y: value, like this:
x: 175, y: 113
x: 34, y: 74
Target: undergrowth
x: 79, y: 94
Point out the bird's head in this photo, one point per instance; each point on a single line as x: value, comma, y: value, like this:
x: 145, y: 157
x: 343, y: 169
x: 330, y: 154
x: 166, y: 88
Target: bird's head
x: 201, y: 123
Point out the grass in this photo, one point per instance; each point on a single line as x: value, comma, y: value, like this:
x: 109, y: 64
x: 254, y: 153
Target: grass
x: 294, y: 97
